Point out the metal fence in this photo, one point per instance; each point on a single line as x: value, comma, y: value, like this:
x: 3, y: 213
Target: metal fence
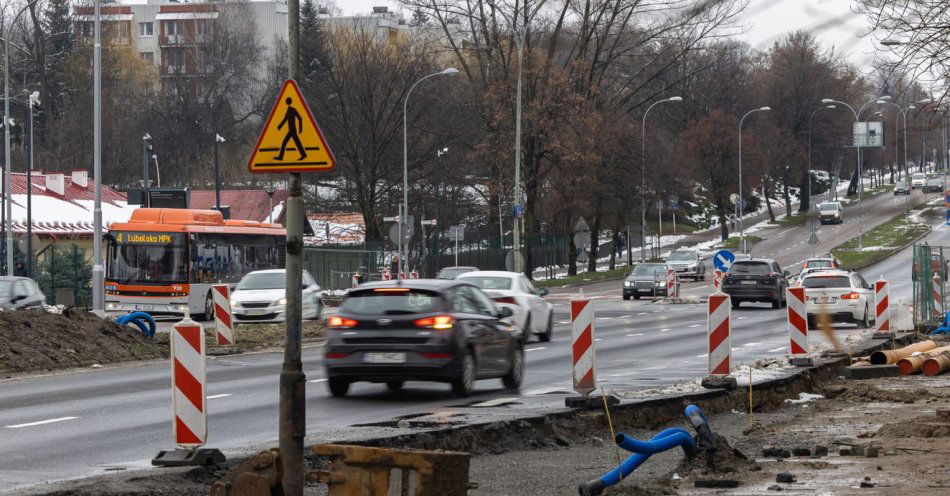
x: 931, y: 265
x: 64, y: 273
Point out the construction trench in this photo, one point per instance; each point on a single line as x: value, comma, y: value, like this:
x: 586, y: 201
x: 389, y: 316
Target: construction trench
x: 880, y: 435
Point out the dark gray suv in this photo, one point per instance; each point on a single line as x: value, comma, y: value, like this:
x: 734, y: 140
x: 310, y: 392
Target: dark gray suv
x: 421, y: 330
x: 756, y: 280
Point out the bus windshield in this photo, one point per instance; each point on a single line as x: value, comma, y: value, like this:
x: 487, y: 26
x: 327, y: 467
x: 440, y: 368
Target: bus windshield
x: 148, y: 258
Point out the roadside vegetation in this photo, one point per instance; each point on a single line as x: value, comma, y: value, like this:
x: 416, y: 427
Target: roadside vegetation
x: 881, y: 242
x: 733, y: 242
x: 617, y: 273
x: 254, y: 337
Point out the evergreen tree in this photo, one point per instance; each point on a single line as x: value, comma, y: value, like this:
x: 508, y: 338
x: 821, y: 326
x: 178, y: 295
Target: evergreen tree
x: 59, y: 45
x: 419, y: 18
x: 312, y: 55
x: 59, y: 27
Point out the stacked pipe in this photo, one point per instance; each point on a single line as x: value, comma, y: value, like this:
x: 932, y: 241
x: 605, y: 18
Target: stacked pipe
x: 937, y: 364
x: 888, y: 357
x: 915, y: 362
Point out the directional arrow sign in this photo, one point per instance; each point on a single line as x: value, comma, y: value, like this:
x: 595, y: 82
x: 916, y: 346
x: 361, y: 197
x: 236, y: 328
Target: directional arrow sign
x: 723, y: 260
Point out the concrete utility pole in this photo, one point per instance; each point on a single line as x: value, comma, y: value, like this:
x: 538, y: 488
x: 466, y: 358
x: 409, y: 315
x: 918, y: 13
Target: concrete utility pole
x: 643, y: 180
x: 742, y: 243
x: 217, y: 172
x: 293, y: 424
x: 145, y: 146
x: 34, y: 99
x: 98, y: 271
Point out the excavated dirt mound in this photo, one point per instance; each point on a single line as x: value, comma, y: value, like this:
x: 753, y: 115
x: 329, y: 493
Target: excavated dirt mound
x: 39, y: 340
x: 868, y: 393
x: 726, y: 460
x: 927, y: 426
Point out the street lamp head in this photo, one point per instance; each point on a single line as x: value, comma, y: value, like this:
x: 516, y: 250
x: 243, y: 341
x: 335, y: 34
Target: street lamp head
x: 831, y: 106
x: 880, y: 101
x: 765, y: 109
x: 147, y: 137
x: 451, y: 71
x: 911, y: 107
x: 675, y: 99
x: 827, y: 100
x: 219, y: 138
x: 891, y: 42
x: 884, y: 98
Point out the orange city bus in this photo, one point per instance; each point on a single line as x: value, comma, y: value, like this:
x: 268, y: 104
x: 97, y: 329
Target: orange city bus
x: 164, y: 260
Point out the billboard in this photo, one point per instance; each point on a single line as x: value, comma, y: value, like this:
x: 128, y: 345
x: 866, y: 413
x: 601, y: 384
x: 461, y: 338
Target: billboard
x: 868, y: 135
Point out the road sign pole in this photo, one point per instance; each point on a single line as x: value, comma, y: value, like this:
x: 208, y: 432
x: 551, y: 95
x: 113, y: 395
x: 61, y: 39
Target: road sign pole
x: 292, y: 408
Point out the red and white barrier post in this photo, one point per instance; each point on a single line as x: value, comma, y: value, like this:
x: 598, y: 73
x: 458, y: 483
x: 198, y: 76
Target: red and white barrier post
x: 717, y: 280
x: 882, y: 305
x: 189, y: 403
x: 672, y: 288
x: 355, y: 280
x: 937, y: 297
x: 718, y: 325
x: 797, y: 326
x: 582, y: 346
x: 414, y: 274
x: 387, y: 275
x: 223, y: 323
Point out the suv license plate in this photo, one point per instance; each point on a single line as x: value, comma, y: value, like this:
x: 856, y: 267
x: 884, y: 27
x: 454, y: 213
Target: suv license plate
x: 746, y: 282
x: 384, y: 357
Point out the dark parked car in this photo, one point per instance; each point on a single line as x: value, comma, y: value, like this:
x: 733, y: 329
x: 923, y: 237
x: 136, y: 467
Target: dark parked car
x: 421, y: 330
x: 934, y: 185
x: 18, y: 293
x: 646, y: 279
x: 756, y: 280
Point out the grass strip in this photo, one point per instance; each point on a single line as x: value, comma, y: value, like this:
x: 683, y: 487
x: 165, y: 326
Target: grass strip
x: 880, y: 242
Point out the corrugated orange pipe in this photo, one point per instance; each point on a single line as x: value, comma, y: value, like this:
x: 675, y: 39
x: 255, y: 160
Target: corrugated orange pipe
x: 886, y: 357
x: 913, y: 363
x: 937, y: 364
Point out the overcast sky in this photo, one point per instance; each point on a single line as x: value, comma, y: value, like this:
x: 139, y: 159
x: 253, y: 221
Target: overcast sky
x: 832, y: 21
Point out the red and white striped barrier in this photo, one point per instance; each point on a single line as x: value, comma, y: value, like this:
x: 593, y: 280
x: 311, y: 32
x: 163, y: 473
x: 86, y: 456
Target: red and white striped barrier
x: 882, y: 305
x: 387, y: 275
x: 937, y: 296
x: 190, y: 425
x: 223, y: 323
x: 355, y: 280
x: 672, y: 288
x: 717, y: 280
x: 414, y: 275
x: 719, y: 309
x: 797, y: 321
x: 582, y: 346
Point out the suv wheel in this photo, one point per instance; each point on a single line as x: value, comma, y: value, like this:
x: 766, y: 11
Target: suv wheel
x: 512, y: 380
x: 464, y: 384
x: 394, y: 385
x: 338, y: 386
x: 865, y: 321
x: 735, y: 303
x: 549, y: 331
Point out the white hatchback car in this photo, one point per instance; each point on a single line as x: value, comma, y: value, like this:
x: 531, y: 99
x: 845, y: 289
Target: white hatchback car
x: 261, y: 297
x: 534, y: 315
x: 843, y: 295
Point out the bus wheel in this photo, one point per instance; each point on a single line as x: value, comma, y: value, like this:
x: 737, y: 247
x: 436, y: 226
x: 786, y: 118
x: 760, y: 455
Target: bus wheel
x: 209, y: 310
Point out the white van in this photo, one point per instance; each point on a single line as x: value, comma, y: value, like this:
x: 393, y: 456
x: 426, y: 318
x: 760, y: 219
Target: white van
x: 918, y: 180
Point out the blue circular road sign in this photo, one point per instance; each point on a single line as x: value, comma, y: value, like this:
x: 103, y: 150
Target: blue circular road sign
x: 723, y: 259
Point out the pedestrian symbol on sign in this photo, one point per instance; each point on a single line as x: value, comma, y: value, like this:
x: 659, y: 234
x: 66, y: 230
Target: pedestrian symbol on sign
x: 294, y: 125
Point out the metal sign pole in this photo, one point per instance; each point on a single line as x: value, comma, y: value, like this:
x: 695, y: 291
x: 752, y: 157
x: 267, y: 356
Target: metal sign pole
x: 293, y: 382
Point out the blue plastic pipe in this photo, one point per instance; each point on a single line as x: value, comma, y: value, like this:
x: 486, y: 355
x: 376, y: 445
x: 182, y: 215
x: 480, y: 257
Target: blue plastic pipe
x: 664, y: 440
x: 139, y: 319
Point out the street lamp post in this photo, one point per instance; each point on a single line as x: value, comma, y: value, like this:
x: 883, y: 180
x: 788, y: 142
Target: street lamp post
x: 403, y: 251
x: 741, y: 228
x: 217, y: 172
x: 158, y: 172
x: 98, y: 271
x: 438, y: 201
x: 34, y: 99
x: 146, y: 144
x: 643, y: 168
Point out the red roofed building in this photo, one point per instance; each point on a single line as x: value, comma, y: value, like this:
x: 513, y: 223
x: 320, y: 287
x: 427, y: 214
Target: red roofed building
x: 246, y: 204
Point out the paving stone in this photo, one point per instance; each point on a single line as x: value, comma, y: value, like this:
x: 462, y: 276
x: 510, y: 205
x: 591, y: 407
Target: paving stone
x: 785, y: 477
x: 801, y: 452
x: 720, y: 382
x: 869, y: 371
x: 821, y: 450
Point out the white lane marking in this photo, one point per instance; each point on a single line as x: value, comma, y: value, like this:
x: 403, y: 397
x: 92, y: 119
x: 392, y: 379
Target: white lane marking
x: 695, y: 325
x: 704, y: 355
x: 216, y: 396
x: 700, y: 287
x: 751, y: 344
x: 539, y: 348
x: 740, y: 318
x: 664, y: 330
x: 787, y: 230
x: 318, y: 380
x: 41, y: 422
x: 637, y: 334
x: 598, y: 339
x: 641, y: 313
x: 776, y: 349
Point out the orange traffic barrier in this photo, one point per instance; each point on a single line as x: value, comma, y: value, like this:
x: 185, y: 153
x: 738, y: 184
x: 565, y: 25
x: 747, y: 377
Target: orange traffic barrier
x: 887, y: 357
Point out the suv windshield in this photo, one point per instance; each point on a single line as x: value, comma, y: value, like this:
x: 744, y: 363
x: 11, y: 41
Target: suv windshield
x: 819, y: 264
x: 383, y: 301
x: 263, y: 280
x: 649, y: 270
x: 828, y: 207
x: 750, y: 268
x: 681, y: 256
x: 452, y: 273
x: 489, y: 282
x: 827, y: 282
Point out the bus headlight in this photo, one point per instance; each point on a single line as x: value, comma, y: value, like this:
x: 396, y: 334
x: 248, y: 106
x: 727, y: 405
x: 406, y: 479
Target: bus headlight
x: 111, y: 305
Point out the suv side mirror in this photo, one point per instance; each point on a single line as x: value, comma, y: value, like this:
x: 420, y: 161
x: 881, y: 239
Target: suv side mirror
x: 785, y: 272
x: 504, y: 312
x: 543, y: 292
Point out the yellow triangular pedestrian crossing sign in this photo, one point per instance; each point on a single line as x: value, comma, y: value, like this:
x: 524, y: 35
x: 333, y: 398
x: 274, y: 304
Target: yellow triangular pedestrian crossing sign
x: 291, y: 140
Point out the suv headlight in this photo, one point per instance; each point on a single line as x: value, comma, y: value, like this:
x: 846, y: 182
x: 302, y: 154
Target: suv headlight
x: 282, y: 301
x: 627, y: 284
x: 660, y: 284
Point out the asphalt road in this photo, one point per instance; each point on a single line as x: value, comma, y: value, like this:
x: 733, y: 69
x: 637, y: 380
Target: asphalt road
x: 89, y: 422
